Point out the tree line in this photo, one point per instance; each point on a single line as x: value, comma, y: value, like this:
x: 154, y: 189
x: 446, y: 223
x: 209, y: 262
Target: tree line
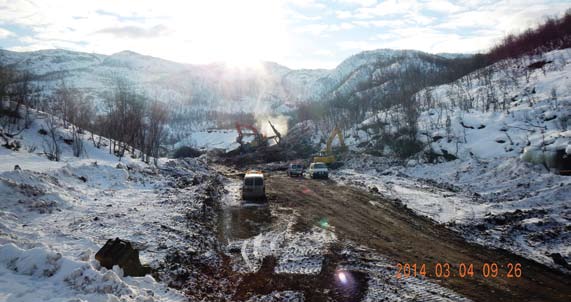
x: 132, y: 122
x: 554, y: 33
x: 393, y: 99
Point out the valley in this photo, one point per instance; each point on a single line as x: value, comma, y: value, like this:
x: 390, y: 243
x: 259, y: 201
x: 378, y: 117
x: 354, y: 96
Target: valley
x: 393, y: 175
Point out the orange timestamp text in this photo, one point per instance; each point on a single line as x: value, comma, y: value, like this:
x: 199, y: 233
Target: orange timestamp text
x: 461, y: 270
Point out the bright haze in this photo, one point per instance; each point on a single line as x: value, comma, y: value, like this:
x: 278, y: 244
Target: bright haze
x: 299, y: 33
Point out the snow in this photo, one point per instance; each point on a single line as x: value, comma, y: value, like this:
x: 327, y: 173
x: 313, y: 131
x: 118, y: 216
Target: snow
x: 224, y: 139
x: 382, y: 284
x: 502, y: 203
x: 59, y: 223
x: 279, y: 296
x: 41, y: 272
x: 508, y: 187
x: 56, y: 215
x: 498, y: 191
x: 439, y: 204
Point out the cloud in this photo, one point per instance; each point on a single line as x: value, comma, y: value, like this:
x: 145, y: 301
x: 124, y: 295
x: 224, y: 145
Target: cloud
x: 294, y: 15
x: 324, y: 52
x: 293, y: 32
x: 135, y: 32
x: 387, y: 8
x: 362, y: 3
x: 442, y: 6
x: 307, y: 3
x: 320, y: 29
x: 387, y: 23
x: 189, y: 31
x: 344, y: 14
x: 4, y: 33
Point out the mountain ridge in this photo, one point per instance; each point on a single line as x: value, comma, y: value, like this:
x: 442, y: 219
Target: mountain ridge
x: 269, y: 88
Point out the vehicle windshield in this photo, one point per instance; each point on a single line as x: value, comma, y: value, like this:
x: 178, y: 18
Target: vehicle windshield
x: 319, y: 166
x: 253, y: 181
x: 296, y: 167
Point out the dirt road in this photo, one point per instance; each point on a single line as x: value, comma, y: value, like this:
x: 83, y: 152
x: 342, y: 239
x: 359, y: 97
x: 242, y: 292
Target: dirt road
x: 403, y: 237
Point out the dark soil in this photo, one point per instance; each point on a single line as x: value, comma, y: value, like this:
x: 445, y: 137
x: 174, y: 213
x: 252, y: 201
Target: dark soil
x: 397, y: 232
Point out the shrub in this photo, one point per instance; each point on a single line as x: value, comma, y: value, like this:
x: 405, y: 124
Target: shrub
x: 186, y: 151
x: 405, y: 147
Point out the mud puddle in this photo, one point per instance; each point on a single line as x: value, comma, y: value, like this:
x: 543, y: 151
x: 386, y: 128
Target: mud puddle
x: 241, y: 219
x: 277, y: 260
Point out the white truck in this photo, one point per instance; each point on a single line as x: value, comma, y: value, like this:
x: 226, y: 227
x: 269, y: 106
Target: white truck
x: 318, y: 170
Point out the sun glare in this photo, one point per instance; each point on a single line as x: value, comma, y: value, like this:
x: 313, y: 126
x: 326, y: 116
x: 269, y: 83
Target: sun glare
x: 243, y: 33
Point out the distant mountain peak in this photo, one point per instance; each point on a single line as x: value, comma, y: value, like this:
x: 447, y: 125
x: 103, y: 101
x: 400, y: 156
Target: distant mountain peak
x: 126, y: 53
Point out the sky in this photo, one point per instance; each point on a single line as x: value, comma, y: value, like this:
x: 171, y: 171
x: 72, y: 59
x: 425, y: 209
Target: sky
x: 295, y: 33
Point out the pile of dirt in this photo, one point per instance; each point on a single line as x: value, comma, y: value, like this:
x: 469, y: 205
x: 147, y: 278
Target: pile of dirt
x: 266, y: 154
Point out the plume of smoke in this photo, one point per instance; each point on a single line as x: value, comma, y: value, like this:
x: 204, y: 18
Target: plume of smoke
x: 279, y: 121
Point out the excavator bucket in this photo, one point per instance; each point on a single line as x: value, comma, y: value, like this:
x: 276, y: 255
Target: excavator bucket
x: 120, y: 252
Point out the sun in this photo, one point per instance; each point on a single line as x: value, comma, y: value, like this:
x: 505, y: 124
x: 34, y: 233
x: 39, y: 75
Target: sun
x: 243, y: 59
x: 239, y: 33
x: 248, y: 32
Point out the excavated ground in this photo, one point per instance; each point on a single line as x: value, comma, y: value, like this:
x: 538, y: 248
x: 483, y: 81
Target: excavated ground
x: 388, y: 229
x: 404, y: 237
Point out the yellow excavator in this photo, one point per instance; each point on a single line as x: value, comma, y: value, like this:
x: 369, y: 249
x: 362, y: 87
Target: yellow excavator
x: 326, y: 156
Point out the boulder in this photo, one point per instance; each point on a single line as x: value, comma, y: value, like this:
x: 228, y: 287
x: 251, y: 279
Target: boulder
x: 120, y: 252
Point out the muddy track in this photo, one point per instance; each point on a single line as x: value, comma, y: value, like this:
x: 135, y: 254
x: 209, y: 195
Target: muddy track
x: 405, y: 237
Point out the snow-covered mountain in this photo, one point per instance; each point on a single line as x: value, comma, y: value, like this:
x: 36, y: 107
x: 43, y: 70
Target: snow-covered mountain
x: 268, y: 87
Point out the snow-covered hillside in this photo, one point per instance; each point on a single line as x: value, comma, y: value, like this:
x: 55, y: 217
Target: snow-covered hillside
x: 503, y: 109
x: 54, y: 217
x: 495, y: 141
x: 207, y: 96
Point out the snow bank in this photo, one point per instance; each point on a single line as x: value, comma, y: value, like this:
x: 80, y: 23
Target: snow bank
x: 34, y: 262
x: 27, y: 275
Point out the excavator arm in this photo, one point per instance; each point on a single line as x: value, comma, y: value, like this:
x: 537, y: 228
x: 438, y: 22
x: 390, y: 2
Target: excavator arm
x: 326, y: 156
x: 335, y: 132
x: 278, y: 136
x: 240, y: 134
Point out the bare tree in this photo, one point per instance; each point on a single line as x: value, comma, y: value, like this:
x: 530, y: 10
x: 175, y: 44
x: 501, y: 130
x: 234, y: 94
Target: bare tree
x: 124, y: 117
x: 75, y: 112
x: 157, y: 118
x: 51, y: 145
x: 16, y: 90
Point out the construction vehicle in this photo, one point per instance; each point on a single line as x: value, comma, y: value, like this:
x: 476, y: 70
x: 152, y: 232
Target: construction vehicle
x: 326, y: 155
x: 259, y: 139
